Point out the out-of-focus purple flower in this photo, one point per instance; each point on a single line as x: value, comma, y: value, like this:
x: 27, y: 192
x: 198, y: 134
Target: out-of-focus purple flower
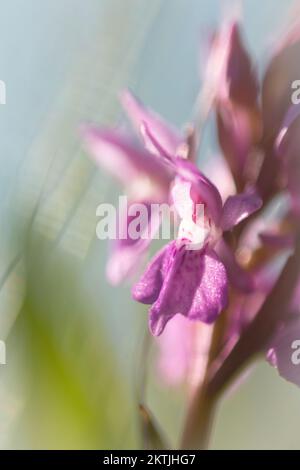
x: 126, y: 254
x: 282, y: 70
x: 284, y: 354
x: 230, y: 83
x: 141, y: 175
x: 183, y: 352
x: 277, y: 241
x: 145, y: 180
x: 283, y: 351
x: 188, y: 276
x: 184, y: 345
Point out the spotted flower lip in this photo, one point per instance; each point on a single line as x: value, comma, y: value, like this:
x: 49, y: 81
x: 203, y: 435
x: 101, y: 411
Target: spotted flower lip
x: 228, y: 69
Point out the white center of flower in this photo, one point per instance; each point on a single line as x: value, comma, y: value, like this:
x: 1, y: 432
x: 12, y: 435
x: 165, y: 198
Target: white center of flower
x: 195, y: 227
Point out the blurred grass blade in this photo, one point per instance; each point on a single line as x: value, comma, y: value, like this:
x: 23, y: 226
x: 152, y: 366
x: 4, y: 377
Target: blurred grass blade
x: 152, y: 437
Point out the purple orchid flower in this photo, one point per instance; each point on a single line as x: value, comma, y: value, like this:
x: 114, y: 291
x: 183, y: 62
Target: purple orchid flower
x: 192, y: 282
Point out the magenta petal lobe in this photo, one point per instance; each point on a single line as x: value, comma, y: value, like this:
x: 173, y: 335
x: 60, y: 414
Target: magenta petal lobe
x: 238, y: 208
x: 194, y: 285
x: 166, y: 135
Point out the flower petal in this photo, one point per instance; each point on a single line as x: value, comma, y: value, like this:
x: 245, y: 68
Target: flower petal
x: 181, y: 196
x: 238, y: 208
x: 176, y: 350
x: 228, y: 70
x: 166, y: 135
x: 238, y: 277
x: 282, y: 71
x: 127, y: 253
x: 231, y: 83
x: 113, y: 152
x: 201, y: 187
x: 195, y: 285
x: 291, y: 116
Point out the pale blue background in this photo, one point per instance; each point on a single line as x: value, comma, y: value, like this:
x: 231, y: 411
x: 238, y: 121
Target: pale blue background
x: 42, y: 45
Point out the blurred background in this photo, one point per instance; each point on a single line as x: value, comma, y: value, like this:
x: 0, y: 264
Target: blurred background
x: 75, y: 344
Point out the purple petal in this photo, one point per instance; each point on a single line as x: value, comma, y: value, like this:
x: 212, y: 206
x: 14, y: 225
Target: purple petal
x: 289, y: 119
x: 238, y: 277
x: 177, y: 350
x: 126, y: 253
x: 164, y: 134
x: 283, y: 69
x: 202, y: 189
x: 238, y: 208
x: 147, y: 289
x: 113, y: 152
x: 195, y: 285
x: 118, y: 155
x: 238, y: 130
